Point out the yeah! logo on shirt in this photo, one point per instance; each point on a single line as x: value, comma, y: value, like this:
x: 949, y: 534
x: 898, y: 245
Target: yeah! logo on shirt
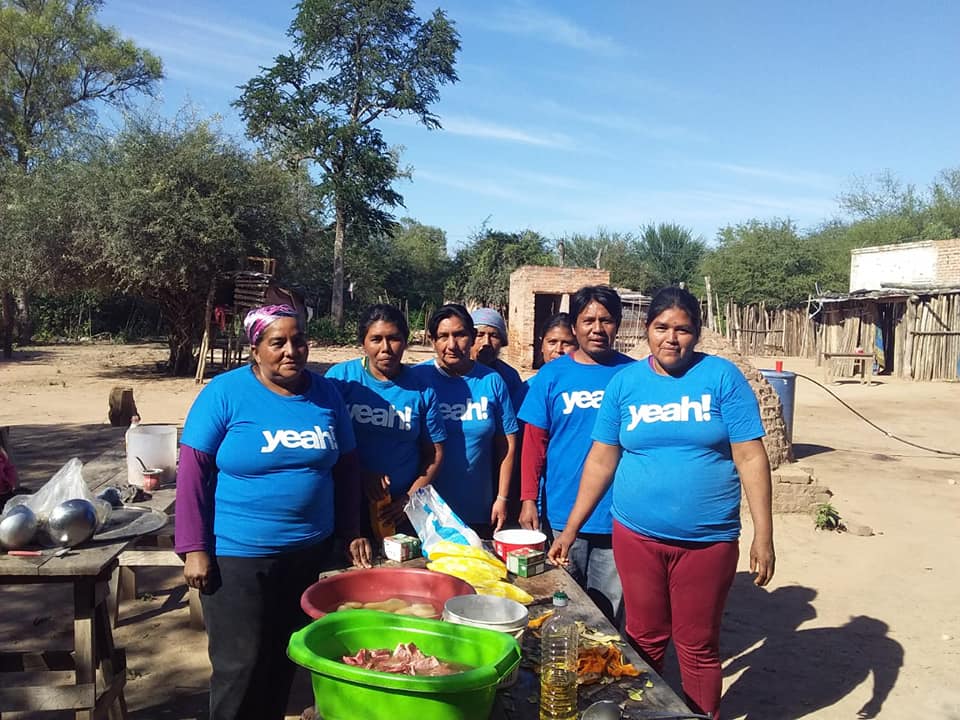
x: 671, y: 412
x: 315, y: 439
x: 382, y: 417
x: 466, y: 411
x: 584, y: 399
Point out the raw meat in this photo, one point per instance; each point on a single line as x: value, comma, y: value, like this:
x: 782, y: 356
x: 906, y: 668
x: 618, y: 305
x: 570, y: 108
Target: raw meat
x: 406, y: 659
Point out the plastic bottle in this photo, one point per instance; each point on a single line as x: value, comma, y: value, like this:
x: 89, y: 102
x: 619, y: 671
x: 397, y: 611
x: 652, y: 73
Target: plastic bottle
x: 558, y: 663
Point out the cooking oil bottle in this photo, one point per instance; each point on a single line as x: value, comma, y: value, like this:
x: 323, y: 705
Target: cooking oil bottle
x: 558, y: 663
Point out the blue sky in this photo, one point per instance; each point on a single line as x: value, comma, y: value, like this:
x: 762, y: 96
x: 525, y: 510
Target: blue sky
x: 570, y: 116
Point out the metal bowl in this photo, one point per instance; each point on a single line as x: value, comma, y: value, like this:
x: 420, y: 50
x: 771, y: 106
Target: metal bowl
x: 72, y: 522
x: 17, y: 527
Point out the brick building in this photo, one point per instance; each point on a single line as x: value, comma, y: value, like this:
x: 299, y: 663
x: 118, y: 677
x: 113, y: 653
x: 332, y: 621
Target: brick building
x: 536, y: 293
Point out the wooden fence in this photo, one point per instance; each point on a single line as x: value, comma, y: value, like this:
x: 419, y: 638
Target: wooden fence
x: 761, y: 331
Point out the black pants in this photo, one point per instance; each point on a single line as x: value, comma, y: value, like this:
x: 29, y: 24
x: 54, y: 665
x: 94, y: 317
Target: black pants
x: 250, y: 614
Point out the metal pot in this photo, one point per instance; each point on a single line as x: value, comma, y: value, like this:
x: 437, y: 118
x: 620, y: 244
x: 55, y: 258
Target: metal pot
x: 17, y: 527
x: 72, y: 522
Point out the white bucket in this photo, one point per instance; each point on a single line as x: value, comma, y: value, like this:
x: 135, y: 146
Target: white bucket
x: 156, y: 446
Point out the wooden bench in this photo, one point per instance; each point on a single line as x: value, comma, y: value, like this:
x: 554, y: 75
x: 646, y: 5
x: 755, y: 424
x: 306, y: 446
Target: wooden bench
x: 862, y: 366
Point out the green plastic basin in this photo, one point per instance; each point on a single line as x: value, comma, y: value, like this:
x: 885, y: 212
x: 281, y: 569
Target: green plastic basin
x: 340, y: 690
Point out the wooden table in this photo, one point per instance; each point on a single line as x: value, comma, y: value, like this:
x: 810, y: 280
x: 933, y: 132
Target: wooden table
x: 862, y: 366
x: 32, y: 685
x: 521, y: 700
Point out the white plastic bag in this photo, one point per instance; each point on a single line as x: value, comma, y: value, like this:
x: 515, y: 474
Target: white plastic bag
x: 66, y: 484
x: 433, y: 520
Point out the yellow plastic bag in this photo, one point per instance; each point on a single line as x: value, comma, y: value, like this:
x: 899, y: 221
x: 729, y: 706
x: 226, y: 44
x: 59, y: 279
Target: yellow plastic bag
x: 505, y: 590
x: 445, y: 548
x: 475, y: 572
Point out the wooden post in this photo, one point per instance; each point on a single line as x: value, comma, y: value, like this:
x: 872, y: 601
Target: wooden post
x: 205, y: 343
x: 910, y: 319
x: 710, y: 323
x: 122, y: 407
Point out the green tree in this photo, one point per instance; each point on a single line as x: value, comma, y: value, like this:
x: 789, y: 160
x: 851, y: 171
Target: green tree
x: 419, y: 264
x: 353, y: 61
x: 55, y: 61
x: 56, y: 64
x: 671, y: 254
x: 482, y: 267
x: 619, y: 253
x: 169, y: 207
x: 762, y: 261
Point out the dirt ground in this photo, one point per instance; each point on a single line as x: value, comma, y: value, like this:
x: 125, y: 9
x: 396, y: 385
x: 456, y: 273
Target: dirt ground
x: 851, y: 626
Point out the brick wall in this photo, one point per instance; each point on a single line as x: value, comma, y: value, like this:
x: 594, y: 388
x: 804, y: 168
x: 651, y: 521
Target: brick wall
x: 525, y: 283
x: 948, y: 262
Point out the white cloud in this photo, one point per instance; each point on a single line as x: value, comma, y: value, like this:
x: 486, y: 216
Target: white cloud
x: 527, y: 20
x: 249, y: 34
x: 625, y: 123
x: 471, y: 127
x: 812, y: 179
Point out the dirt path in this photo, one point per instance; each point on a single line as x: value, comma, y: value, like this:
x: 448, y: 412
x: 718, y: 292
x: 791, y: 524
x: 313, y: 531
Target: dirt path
x: 850, y: 623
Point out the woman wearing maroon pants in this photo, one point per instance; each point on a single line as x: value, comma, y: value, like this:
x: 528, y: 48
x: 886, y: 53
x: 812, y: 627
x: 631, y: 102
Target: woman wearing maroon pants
x: 677, y: 435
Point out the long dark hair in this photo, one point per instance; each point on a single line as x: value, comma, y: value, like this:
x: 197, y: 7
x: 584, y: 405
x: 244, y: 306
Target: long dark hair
x: 448, y: 311
x: 381, y: 313
x: 558, y: 320
x: 603, y: 294
x: 675, y: 297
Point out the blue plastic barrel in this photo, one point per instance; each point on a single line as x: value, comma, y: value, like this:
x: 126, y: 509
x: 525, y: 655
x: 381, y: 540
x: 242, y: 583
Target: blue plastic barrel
x: 785, y: 383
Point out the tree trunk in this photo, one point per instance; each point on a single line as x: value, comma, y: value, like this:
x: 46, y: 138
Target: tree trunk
x: 6, y: 324
x: 336, y: 300
x: 24, y: 324
x: 181, y: 315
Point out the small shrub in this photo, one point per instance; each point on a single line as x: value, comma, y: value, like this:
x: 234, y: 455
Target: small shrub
x: 325, y: 331
x: 828, y: 518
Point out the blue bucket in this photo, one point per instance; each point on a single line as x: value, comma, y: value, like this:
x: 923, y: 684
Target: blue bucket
x: 785, y: 383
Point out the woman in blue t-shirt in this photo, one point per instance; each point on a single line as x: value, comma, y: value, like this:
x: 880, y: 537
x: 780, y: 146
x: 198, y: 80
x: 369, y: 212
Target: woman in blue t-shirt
x: 267, y: 474
x: 396, y: 417
x: 479, y: 419
x: 677, y: 435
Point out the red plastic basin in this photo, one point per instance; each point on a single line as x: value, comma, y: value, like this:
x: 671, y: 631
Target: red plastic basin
x: 375, y: 584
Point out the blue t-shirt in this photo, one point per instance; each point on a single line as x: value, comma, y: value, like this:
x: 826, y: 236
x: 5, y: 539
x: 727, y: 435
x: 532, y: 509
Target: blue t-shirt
x: 391, y: 419
x: 274, y: 457
x: 515, y: 385
x: 474, y: 407
x: 676, y: 479
x: 565, y: 401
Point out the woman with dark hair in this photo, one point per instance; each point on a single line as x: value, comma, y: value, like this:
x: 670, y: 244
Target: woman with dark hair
x: 396, y: 417
x: 267, y: 475
x: 557, y: 338
x: 559, y: 411
x: 480, y: 422
x: 677, y: 435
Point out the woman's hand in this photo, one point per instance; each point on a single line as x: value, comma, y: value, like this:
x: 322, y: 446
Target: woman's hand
x: 762, y: 560
x: 361, y: 553
x: 529, y: 517
x: 498, y: 513
x: 197, y: 569
x: 559, y: 551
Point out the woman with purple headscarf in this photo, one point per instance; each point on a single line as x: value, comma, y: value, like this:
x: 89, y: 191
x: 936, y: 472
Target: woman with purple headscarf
x: 267, y: 477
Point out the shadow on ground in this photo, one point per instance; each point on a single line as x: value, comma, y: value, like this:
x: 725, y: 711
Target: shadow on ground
x: 790, y: 673
x: 805, y: 450
x: 40, y: 450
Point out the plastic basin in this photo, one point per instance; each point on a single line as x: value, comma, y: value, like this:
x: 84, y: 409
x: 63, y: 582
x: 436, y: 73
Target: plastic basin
x: 506, y: 540
x: 345, y: 692
x: 375, y: 584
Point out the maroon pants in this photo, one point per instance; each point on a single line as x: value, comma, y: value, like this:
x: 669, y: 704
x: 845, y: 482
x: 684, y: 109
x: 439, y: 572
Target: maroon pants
x: 678, y: 590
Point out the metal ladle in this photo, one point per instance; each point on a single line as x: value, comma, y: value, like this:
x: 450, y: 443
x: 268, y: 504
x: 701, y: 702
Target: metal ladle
x: 609, y: 710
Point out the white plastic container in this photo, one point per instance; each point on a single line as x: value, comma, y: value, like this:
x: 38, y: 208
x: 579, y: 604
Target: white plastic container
x: 156, y: 446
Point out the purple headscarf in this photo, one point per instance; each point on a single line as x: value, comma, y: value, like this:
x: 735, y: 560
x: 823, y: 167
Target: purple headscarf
x: 259, y: 319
